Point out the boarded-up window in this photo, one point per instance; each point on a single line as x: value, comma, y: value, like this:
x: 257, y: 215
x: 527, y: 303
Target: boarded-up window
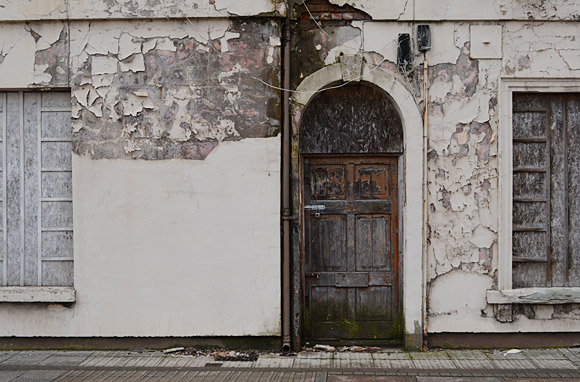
x: 36, y: 189
x: 546, y: 190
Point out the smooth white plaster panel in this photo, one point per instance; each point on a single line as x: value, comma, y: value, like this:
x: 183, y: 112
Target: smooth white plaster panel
x: 171, y: 248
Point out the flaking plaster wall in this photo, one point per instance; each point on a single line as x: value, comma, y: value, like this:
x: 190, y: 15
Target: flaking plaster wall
x: 223, y: 119
x: 176, y: 174
x: 461, y: 261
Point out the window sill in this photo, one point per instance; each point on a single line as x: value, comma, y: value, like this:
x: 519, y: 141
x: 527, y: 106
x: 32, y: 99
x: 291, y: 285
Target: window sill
x: 534, y: 296
x: 37, y: 294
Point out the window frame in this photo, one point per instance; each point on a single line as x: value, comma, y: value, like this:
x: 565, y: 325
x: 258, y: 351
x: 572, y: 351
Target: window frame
x: 32, y: 293
x: 505, y: 294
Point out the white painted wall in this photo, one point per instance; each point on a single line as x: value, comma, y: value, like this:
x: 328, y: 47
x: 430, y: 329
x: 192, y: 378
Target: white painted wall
x: 171, y: 248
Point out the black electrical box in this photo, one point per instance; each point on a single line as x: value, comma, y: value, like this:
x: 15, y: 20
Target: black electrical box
x: 404, y: 53
x: 423, y: 38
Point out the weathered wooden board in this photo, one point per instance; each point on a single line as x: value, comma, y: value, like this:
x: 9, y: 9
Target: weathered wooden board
x: 351, y: 119
x: 546, y: 190
x: 573, y: 122
x: 36, y: 156
x: 350, y: 265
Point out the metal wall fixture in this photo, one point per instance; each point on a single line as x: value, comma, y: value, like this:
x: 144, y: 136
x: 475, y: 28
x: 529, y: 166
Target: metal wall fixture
x: 423, y: 38
x: 404, y: 51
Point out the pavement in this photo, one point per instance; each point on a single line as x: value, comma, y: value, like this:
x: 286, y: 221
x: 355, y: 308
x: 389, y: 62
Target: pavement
x: 380, y: 366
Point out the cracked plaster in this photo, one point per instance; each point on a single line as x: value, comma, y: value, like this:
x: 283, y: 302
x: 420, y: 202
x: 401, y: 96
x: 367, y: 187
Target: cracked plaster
x: 403, y: 10
x: 463, y: 191
x: 111, y: 59
x: 156, y: 90
x: 20, y: 10
x: 33, y: 54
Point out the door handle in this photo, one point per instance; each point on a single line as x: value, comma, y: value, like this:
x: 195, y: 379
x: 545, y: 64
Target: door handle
x: 316, y: 208
x: 312, y: 275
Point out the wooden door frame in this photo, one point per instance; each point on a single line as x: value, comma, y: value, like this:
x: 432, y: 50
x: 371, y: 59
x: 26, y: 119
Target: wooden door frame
x: 411, y: 234
x: 398, y: 259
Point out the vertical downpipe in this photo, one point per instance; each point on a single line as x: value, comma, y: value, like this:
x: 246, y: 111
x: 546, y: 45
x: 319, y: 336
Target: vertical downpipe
x: 425, y: 192
x: 286, y: 210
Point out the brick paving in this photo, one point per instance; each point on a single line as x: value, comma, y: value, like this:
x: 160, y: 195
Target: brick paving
x: 384, y: 366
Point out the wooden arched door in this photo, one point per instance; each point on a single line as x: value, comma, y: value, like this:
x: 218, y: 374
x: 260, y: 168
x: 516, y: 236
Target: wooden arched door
x: 350, y: 143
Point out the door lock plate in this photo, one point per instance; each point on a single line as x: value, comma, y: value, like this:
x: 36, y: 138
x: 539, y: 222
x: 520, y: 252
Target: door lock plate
x: 316, y: 208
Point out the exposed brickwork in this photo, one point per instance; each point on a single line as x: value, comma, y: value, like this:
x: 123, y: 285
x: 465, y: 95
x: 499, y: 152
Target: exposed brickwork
x: 323, y: 10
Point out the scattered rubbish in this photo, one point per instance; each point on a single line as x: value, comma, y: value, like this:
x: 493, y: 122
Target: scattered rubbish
x: 173, y: 350
x: 217, y: 355
x: 324, y: 347
x: 328, y: 348
x: 235, y: 356
x: 511, y: 351
x: 287, y: 354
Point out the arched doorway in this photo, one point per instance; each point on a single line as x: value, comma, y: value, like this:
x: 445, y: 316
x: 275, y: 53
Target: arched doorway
x: 350, y: 144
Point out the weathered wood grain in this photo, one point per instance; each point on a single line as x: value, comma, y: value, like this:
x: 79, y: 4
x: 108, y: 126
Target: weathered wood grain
x: 573, y: 120
x: 38, y: 189
x: 546, y: 190
x: 351, y: 119
x: 351, y: 248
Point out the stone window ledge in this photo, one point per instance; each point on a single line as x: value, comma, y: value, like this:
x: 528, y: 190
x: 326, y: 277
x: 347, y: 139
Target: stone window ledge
x: 37, y: 294
x: 534, y: 296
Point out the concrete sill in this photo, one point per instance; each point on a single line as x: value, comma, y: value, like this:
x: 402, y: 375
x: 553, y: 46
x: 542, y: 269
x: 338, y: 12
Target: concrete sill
x: 534, y: 296
x: 37, y: 294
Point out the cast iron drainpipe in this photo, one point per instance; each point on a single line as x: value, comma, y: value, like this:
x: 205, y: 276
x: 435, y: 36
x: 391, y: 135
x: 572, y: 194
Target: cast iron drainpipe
x: 286, y: 210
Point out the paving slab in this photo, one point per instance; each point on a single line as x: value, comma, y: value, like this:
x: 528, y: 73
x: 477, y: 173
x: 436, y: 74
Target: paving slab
x: 63, y: 360
x: 544, y: 354
x: 316, y: 355
x: 5, y: 355
x: 27, y: 358
x: 39, y: 376
x: 322, y: 363
x: 358, y: 378
x: 473, y: 364
x: 389, y: 355
x: 430, y: 355
x: 434, y: 364
x: 279, y: 362
x: 554, y: 364
x: 466, y: 354
x: 522, y: 364
x: 539, y: 380
x: 459, y: 379
x: 9, y: 375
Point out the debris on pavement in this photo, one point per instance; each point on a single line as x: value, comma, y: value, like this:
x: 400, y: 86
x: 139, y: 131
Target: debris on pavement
x: 342, y: 349
x: 236, y: 356
x: 173, y: 350
x: 511, y: 351
x: 218, y: 355
x: 324, y: 348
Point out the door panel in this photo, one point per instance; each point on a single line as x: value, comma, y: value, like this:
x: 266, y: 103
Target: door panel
x: 373, y: 249
x: 350, y: 249
x: 327, y: 239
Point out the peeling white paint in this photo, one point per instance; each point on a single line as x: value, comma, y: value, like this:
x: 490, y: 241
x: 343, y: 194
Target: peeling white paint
x: 456, y: 292
x: 127, y: 46
x: 248, y: 8
x: 349, y: 47
x: 135, y: 63
x: 135, y: 104
x: 224, y: 40
x: 381, y: 10
x: 483, y: 237
x: 103, y: 65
